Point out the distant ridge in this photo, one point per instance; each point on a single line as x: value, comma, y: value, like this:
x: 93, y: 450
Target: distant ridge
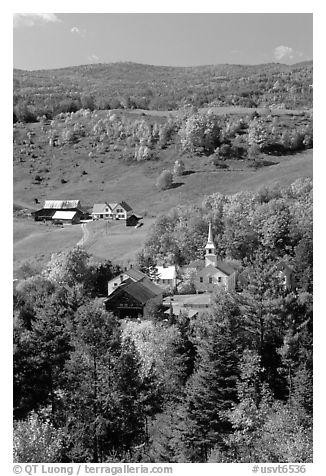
x: 146, y: 65
x: 129, y: 85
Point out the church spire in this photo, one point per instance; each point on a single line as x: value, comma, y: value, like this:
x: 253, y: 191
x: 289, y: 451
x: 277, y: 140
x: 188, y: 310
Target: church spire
x: 210, y: 250
x: 210, y: 234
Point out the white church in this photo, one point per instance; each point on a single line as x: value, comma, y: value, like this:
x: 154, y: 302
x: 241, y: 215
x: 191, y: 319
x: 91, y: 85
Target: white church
x: 214, y: 273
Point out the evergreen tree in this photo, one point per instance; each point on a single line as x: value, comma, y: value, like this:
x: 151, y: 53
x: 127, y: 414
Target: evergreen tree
x: 89, y: 392
x: 39, y: 358
x: 130, y: 413
x: 211, y: 390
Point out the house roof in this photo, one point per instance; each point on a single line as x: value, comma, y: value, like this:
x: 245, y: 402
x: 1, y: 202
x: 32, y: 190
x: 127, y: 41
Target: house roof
x: 100, y: 207
x: 188, y: 299
x: 62, y: 204
x: 135, y: 274
x: 192, y: 304
x: 166, y: 272
x: 138, y: 290
x: 176, y: 311
x: 64, y: 215
x: 113, y: 205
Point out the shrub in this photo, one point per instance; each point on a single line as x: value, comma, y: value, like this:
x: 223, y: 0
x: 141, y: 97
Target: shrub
x: 219, y: 164
x: 257, y: 134
x: 224, y: 151
x: 179, y: 167
x: 165, y: 180
x: 200, y: 133
x: 37, y: 441
x: 253, y: 152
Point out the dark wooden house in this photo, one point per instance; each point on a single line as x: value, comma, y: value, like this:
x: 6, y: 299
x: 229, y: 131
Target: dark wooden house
x: 132, y: 299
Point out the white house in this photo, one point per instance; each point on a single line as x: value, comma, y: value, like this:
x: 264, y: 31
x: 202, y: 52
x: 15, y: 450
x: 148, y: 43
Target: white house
x: 166, y: 276
x: 111, y: 211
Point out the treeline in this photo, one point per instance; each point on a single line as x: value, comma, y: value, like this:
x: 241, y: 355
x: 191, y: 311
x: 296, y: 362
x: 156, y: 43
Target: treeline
x: 50, y: 92
x: 273, y: 221
x: 233, y: 385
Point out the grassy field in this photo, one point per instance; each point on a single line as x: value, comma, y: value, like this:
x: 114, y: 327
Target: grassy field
x: 35, y: 242
x: 116, y: 242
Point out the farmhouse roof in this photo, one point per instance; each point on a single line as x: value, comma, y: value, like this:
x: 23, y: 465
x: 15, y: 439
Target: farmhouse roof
x: 100, y: 207
x: 126, y: 207
x: 64, y: 215
x: 113, y: 205
x: 62, y: 204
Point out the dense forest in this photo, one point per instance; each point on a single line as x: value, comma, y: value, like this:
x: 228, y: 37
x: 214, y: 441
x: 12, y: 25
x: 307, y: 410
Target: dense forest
x: 49, y: 92
x: 231, y: 385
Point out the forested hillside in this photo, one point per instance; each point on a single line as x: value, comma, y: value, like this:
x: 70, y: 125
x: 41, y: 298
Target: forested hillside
x: 132, y: 85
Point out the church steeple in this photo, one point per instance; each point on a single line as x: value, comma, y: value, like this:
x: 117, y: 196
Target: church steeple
x: 210, y: 250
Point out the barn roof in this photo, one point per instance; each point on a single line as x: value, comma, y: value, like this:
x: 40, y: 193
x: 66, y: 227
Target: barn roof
x: 64, y: 215
x: 44, y: 212
x: 140, y: 277
x: 62, y: 204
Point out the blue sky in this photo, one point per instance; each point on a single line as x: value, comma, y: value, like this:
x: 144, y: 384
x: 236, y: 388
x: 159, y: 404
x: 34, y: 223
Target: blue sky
x: 54, y: 40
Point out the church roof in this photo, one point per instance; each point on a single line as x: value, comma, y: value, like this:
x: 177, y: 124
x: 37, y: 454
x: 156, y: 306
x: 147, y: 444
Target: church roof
x: 225, y: 268
x: 198, y: 264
